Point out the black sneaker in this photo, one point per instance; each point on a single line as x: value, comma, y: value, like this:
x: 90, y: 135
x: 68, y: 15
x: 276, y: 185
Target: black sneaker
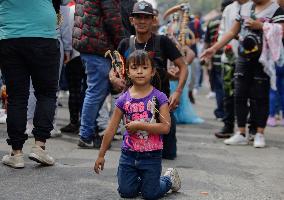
x: 84, y: 144
x: 225, y: 132
x: 97, y: 141
x: 70, y: 128
x: 191, y: 97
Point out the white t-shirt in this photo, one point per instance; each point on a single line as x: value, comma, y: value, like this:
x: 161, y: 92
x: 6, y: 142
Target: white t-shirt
x: 228, y: 18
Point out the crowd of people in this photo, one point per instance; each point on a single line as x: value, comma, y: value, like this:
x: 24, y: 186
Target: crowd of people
x: 126, y: 73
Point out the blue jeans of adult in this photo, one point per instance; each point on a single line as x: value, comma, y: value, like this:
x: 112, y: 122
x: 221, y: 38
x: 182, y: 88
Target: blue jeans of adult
x: 277, y: 95
x: 140, y: 172
x: 22, y: 58
x: 97, y: 69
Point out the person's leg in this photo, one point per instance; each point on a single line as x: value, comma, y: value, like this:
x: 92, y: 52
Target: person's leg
x: 17, y: 81
x: 170, y: 141
x: 74, y: 75
x: 242, y: 82
x: 153, y: 186
x: 272, y: 107
x: 196, y: 68
x: 218, y: 89
x: 104, y: 115
x: 97, y: 69
x: 43, y: 60
x: 128, y: 177
x: 260, y: 103
x: 228, y: 88
x: 280, y: 86
x: 190, y: 83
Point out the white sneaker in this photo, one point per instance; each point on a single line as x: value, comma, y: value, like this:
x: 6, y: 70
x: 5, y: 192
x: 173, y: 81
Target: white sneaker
x: 211, y: 95
x: 176, y: 182
x: 63, y: 94
x: 259, y: 141
x: 29, y: 129
x: 3, y: 118
x: 15, y: 161
x: 237, y: 139
x: 195, y: 91
x: 41, y: 156
x: 55, y: 132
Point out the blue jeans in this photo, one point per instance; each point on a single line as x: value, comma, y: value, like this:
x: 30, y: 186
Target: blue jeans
x: 97, y: 69
x: 277, y: 97
x: 141, y: 173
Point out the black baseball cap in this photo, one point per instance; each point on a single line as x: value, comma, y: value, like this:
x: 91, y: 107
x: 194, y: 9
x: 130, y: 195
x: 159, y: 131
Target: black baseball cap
x: 143, y: 7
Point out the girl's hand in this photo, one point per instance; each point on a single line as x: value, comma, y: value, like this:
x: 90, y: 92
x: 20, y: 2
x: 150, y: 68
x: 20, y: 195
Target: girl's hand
x: 254, y: 24
x: 99, y: 164
x: 133, y: 126
x: 207, y: 54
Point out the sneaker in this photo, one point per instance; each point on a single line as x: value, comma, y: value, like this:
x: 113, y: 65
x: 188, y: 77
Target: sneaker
x: 41, y: 156
x: 237, y: 139
x: 191, y: 97
x: 29, y: 129
x: 70, y: 128
x: 97, y: 141
x: 195, y: 91
x: 211, y: 95
x: 84, y: 144
x: 55, y: 132
x: 3, y: 118
x: 176, y: 182
x: 225, y: 132
x: 63, y: 93
x: 271, y: 121
x: 15, y: 161
x: 259, y: 141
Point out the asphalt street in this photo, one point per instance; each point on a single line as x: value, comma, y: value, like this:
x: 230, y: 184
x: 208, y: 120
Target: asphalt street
x: 209, y: 169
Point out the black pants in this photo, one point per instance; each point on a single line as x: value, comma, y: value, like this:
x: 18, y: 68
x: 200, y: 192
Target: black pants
x: 76, y: 79
x: 170, y: 141
x: 228, y: 101
x: 21, y: 59
x: 251, y: 86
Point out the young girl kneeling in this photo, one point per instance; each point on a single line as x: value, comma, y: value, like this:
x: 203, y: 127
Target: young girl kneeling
x: 146, y: 114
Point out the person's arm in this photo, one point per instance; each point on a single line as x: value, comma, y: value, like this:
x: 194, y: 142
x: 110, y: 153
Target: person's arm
x: 163, y: 127
x: 208, y: 53
x: 190, y: 55
x: 172, y: 53
x: 66, y: 32
x: 108, y: 136
x: 179, y: 62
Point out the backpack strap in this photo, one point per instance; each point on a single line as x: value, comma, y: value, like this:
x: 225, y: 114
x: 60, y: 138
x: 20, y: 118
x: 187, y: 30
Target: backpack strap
x: 159, y: 57
x: 131, y: 44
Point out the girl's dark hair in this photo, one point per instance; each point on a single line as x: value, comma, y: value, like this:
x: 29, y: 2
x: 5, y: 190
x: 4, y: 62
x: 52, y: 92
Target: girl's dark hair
x: 140, y: 57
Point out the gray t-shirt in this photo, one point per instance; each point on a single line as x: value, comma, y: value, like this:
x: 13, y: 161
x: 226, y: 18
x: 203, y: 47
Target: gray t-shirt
x: 273, y: 14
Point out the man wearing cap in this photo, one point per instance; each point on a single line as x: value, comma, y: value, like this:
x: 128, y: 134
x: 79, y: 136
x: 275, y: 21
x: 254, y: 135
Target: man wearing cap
x: 161, y: 48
